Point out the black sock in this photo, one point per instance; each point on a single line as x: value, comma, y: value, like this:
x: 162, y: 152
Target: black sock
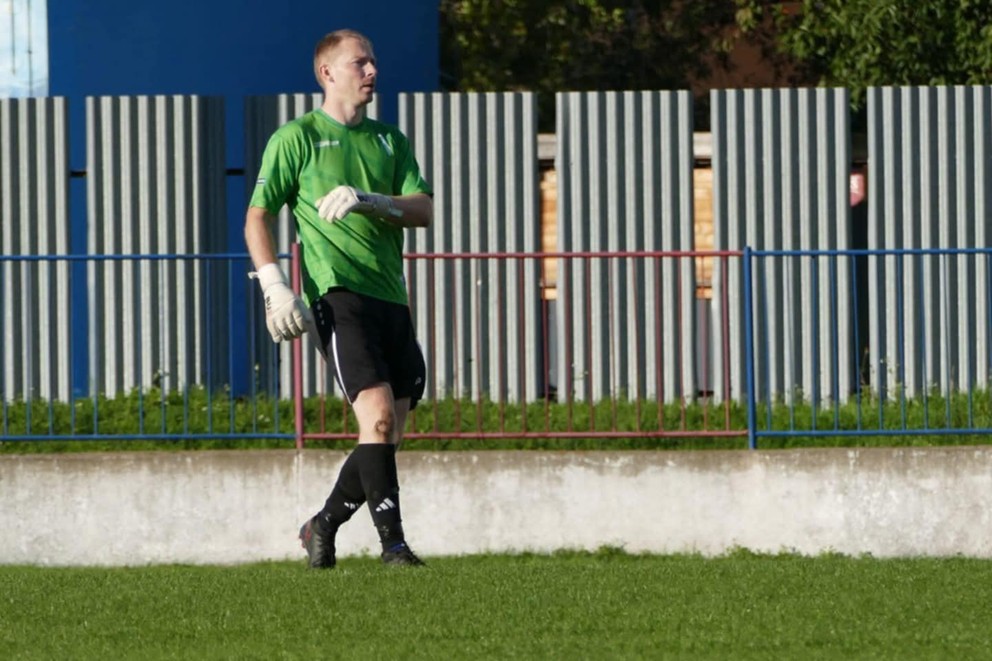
x: 377, y: 464
x: 346, y: 497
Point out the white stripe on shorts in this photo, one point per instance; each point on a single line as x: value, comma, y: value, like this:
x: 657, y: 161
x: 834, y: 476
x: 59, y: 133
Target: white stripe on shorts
x: 337, y: 366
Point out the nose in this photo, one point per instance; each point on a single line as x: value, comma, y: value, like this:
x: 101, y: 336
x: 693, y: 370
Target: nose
x: 370, y: 70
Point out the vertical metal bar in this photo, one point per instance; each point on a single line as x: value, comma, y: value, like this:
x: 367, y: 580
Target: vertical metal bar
x: 432, y: 318
x: 321, y: 398
x: 5, y: 426
x: 725, y: 327
x: 29, y: 347
x: 186, y: 385
x: 855, y: 304
x: 971, y: 342
x: 164, y: 383
x: 639, y: 340
x: 659, y: 365
x: 478, y: 358
x: 256, y: 371
x: 988, y: 317
x: 901, y: 339
x: 208, y: 295
x: 501, y: 353
x: 95, y: 377
x: 500, y: 320
x: 546, y: 334
x: 765, y: 332
x: 523, y: 359
x: 568, y: 365
x: 679, y: 371
x: 706, y: 386
x: 591, y: 374
x: 752, y: 440
x: 52, y: 392
x: 814, y: 354
x: 924, y: 338
x: 456, y: 350
x: 139, y: 380
x: 230, y: 348
x: 795, y: 380
x: 611, y: 334
x: 835, y: 343
x: 946, y: 323
x: 295, y: 270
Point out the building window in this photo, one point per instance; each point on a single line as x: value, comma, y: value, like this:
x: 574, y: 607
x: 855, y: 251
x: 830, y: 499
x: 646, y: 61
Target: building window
x: 23, y: 48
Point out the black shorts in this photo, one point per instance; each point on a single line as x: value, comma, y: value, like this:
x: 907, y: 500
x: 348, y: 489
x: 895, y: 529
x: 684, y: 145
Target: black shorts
x: 369, y: 341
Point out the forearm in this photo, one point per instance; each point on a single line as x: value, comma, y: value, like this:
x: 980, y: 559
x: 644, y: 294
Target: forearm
x: 258, y: 237
x: 286, y: 316
x: 417, y: 210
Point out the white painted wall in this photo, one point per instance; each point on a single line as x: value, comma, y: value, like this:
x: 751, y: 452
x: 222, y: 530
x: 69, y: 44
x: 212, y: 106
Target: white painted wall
x: 232, y: 507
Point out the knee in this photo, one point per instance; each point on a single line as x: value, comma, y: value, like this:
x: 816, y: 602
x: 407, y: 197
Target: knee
x: 384, y: 427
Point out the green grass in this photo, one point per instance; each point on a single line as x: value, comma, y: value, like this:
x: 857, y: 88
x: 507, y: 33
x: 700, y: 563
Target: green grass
x: 603, y: 605
x: 195, y: 412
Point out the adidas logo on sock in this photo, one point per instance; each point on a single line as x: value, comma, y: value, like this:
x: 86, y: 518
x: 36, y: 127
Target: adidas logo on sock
x: 351, y: 506
x: 385, y: 505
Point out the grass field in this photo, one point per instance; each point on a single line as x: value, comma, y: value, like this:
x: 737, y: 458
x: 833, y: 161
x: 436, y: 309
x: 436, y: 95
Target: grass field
x: 603, y: 605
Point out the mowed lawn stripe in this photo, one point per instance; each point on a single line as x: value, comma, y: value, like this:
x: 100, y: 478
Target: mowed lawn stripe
x: 606, y: 604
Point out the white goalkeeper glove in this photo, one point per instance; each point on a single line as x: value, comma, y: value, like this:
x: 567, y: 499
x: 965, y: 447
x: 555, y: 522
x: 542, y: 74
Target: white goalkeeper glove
x: 345, y: 199
x: 285, y: 314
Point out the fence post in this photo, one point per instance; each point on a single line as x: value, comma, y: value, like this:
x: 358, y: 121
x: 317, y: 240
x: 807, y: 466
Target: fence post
x: 294, y: 268
x: 752, y: 416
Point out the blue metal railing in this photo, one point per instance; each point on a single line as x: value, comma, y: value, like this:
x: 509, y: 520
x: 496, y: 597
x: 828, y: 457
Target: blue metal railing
x: 204, y: 358
x: 907, y: 348
x: 841, y: 343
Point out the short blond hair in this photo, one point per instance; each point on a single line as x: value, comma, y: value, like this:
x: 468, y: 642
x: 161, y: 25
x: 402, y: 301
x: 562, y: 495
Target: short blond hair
x: 332, y: 40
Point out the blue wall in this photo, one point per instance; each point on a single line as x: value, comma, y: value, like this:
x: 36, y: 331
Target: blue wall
x: 228, y: 48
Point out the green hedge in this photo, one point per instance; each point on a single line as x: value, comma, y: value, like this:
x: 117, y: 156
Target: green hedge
x: 257, y: 422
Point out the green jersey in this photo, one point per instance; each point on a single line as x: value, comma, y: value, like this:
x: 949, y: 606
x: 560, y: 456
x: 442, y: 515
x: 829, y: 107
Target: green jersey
x: 310, y: 156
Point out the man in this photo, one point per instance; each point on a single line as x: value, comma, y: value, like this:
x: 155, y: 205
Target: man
x: 353, y: 185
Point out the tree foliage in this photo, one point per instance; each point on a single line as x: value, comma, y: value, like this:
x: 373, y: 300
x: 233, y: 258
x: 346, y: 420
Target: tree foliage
x: 862, y: 43
x: 580, y: 44
x: 558, y: 45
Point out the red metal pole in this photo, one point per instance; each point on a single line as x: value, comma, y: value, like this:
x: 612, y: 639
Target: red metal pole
x: 294, y: 269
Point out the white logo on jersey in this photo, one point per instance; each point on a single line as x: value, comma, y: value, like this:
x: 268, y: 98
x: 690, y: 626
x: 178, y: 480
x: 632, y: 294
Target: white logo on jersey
x: 260, y: 182
x: 327, y: 143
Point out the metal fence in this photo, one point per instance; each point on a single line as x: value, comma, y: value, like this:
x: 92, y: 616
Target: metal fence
x: 157, y: 184
x: 934, y: 332
x: 177, y: 383
x: 781, y: 163
x: 618, y: 369
x: 480, y: 386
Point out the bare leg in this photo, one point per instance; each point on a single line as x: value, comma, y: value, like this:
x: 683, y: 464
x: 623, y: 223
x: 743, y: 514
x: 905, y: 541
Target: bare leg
x: 375, y: 410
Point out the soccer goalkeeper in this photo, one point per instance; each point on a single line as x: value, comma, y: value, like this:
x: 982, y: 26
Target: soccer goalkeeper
x: 353, y: 185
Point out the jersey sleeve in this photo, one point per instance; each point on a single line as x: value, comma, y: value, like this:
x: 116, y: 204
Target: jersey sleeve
x: 408, y: 179
x: 278, y: 175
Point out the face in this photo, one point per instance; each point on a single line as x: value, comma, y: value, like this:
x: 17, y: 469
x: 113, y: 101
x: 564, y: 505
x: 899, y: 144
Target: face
x: 349, y: 73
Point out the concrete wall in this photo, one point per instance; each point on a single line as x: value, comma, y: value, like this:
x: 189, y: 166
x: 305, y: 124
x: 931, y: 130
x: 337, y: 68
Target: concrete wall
x: 231, y: 507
